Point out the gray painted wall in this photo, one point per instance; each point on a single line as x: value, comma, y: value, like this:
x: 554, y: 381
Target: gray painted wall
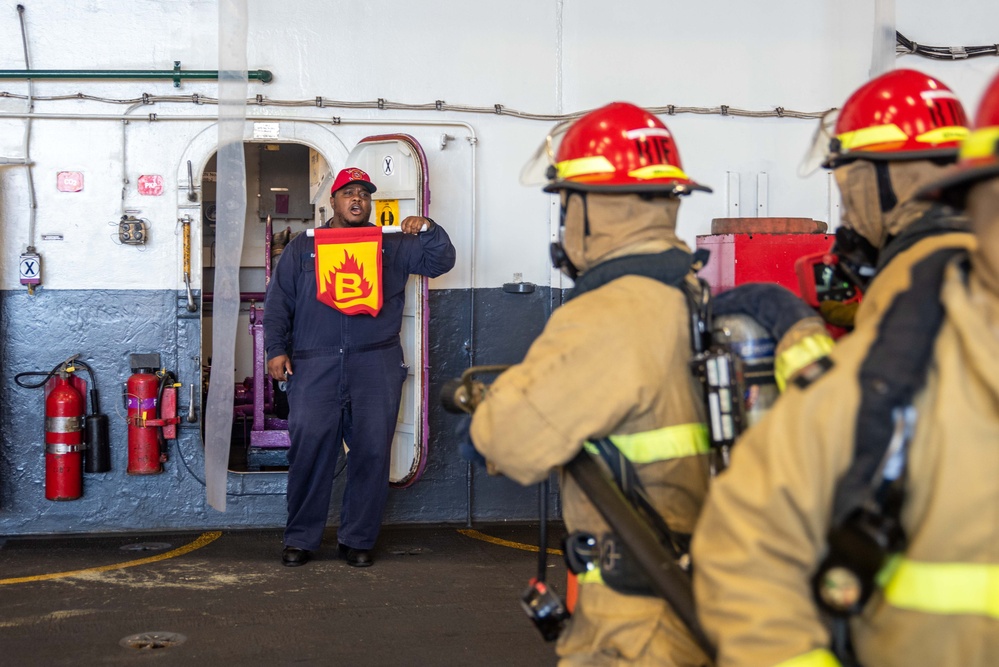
x: 104, y: 327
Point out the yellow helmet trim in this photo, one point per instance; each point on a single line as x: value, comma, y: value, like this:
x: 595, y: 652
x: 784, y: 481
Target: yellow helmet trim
x: 869, y: 136
x: 658, y: 171
x: 596, y: 164
x: 891, y: 133
x: 980, y: 144
x: 942, y: 135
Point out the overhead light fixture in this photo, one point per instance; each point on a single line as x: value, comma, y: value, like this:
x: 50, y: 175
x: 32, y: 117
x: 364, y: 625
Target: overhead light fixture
x: 279, y: 189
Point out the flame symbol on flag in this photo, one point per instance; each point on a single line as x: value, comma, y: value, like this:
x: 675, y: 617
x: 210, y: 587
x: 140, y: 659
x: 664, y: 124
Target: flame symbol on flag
x: 347, y: 282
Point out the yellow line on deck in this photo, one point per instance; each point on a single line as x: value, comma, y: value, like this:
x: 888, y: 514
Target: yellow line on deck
x: 205, y: 538
x: 476, y: 535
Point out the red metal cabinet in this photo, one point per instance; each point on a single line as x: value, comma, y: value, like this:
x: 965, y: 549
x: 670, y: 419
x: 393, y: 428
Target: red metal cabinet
x: 745, y: 251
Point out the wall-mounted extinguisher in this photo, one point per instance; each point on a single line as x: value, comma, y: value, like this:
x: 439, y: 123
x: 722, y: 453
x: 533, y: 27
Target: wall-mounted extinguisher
x: 151, y: 400
x: 73, y: 441
x: 63, y: 439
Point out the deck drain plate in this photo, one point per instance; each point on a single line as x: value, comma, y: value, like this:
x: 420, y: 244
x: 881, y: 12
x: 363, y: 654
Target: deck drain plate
x: 145, y: 641
x: 147, y: 546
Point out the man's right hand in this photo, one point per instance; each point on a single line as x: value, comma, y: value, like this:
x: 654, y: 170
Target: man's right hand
x: 279, y: 367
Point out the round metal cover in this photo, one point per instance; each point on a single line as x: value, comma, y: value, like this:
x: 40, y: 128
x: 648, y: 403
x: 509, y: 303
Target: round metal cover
x: 153, y: 640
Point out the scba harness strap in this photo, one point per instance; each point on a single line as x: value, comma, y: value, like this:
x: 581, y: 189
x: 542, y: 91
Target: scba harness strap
x: 894, y: 369
x: 866, y: 528
x: 606, y: 559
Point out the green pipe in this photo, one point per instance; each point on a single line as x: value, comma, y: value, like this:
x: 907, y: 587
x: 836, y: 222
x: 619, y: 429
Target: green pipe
x: 176, y: 74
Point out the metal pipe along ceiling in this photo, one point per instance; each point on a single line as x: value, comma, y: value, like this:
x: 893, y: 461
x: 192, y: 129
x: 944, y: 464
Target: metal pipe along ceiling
x: 176, y: 74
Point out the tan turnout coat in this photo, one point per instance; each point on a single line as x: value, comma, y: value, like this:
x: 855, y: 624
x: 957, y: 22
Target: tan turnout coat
x: 762, y: 533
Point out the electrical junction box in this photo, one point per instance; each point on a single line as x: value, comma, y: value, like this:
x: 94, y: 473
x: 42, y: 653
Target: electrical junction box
x: 132, y: 231
x: 31, y: 268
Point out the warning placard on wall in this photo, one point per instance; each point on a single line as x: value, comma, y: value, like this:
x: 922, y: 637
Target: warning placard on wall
x: 387, y: 212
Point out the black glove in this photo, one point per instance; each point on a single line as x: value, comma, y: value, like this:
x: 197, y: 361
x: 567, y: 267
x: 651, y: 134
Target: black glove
x: 776, y: 308
x: 462, y: 433
x: 838, y: 313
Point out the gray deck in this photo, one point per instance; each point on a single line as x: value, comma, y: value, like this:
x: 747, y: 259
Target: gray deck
x: 434, y: 596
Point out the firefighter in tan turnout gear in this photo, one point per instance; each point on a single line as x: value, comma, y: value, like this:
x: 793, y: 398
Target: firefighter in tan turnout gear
x: 859, y: 521
x: 612, y: 361
x: 892, y: 136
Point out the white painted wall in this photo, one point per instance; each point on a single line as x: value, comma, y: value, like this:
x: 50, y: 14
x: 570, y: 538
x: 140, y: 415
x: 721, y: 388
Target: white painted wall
x: 536, y: 56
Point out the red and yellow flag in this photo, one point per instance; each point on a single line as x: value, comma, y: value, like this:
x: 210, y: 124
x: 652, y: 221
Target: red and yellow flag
x: 349, y: 269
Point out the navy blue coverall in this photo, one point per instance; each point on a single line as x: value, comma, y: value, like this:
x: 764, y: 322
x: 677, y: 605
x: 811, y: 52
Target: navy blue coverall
x: 346, y: 384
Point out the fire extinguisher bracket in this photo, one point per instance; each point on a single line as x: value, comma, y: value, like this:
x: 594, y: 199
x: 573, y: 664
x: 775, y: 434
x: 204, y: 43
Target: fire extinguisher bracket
x: 151, y: 402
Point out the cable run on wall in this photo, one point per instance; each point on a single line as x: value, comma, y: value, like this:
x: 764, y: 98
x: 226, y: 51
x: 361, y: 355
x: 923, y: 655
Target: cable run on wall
x: 437, y: 105
x: 905, y: 46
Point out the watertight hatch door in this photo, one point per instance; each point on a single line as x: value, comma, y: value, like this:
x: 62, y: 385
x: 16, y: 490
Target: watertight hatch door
x: 398, y: 166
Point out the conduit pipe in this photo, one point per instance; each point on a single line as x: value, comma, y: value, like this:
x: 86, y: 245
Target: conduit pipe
x: 262, y: 75
x: 32, y: 202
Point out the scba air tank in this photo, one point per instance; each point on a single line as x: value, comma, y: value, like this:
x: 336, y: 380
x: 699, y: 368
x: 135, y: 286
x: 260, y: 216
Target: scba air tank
x: 754, y: 345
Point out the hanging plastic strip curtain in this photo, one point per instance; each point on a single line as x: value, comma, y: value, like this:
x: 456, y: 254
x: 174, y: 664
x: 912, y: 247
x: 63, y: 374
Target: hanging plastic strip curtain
x: 230, y: 218
x: 883, y: 55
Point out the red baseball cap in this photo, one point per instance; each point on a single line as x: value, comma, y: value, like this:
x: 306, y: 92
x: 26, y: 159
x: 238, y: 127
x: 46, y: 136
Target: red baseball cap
x: 352, y: 175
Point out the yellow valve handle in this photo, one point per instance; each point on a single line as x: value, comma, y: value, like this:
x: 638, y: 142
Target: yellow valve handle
x: 187, y: 249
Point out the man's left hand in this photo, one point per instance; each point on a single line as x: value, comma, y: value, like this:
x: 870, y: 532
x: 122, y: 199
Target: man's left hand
x: 413, y: 224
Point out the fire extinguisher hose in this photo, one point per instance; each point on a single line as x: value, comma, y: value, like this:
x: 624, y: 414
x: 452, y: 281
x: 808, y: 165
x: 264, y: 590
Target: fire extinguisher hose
x: 19, y: 378
x: 97, y: 451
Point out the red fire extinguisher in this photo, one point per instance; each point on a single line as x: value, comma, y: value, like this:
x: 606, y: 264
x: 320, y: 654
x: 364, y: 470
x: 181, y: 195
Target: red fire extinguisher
x: 74, y: 443
x: 151, y: 401
x: 64, y: 409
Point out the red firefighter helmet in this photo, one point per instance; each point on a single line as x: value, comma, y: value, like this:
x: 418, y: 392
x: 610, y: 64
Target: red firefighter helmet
x: 901, y: 115
x: 979, y: 154
x: 618, y: 148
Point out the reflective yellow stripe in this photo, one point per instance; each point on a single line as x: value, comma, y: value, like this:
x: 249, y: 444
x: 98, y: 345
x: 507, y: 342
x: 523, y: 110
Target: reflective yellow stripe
x: 944, y: 588
x: 596, y: 164
x: 891, y: 133
x: 943, y: 135
x: 799, y: 355
x: 590, y: 577
x: 980, y: 144
x: 671, y: 442
x: 868, y: 136
x: 817, y: 658
x: 658, y: 171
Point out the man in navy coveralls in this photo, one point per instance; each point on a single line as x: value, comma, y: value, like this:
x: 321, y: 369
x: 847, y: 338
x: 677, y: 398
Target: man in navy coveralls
x: 344, y: 375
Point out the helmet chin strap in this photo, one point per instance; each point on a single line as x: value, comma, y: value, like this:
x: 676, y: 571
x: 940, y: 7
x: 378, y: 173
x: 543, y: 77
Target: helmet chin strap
x: 560, y: 258
x: 886, y: 193
x: 562, y: 262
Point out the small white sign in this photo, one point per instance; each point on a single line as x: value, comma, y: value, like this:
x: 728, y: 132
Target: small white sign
x: 267, y: 130
x: 30, y: 267
x: 388, y: 167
